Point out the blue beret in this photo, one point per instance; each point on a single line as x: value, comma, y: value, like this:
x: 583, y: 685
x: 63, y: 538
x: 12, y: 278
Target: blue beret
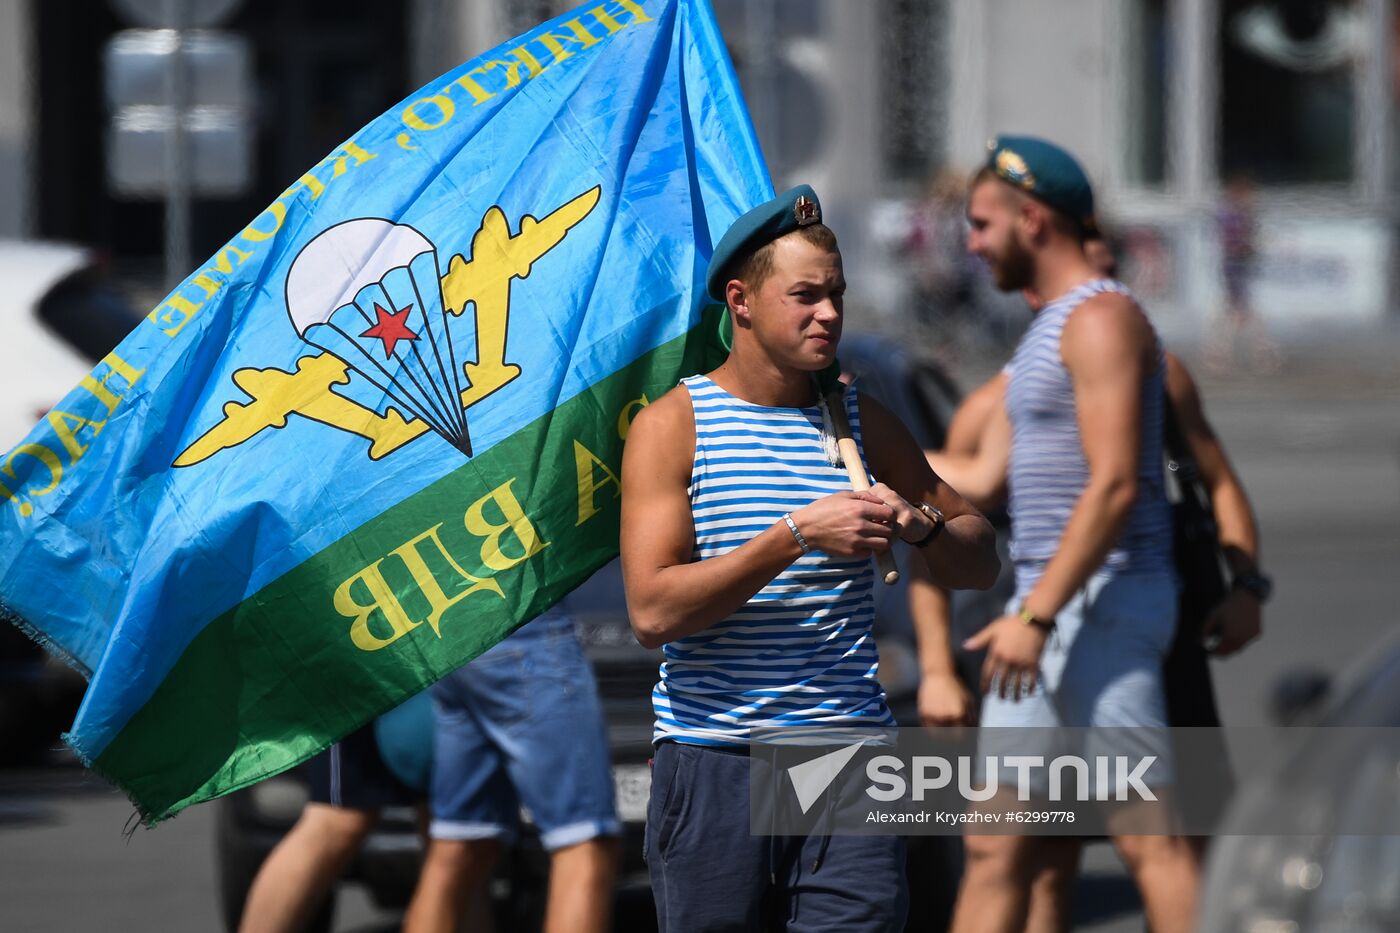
x: 794, y: 208
x: 1044, y: 170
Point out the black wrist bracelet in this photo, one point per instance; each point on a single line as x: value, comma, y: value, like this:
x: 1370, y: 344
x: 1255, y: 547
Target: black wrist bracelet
x: 938, y: 520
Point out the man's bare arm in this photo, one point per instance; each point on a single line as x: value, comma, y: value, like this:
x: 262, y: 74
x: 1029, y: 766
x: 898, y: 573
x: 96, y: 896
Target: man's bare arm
x: 943, y: 699
x: 669, y: 596
x: 1236, y: 621
x: 1239, y: 533
x: 1107, y: 346
x: 980, y: 477
x: 978, y: 469
x: 969, y: 422
x: 964, y: 556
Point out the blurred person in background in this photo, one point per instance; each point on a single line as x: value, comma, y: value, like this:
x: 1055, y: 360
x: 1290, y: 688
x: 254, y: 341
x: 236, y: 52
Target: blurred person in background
x: 977, y: 452
x: 1091, y: 526
x: 947, y: 676
x: 933, y: 246
x: 1218, y: 620
x: 1235, y: 222
x: 521, y: 726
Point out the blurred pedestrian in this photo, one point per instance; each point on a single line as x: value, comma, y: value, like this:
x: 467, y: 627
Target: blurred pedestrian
x: 350, y: 783
x: 933, y: 248
x: 975, y: 461
x: 520, y: 727
x: 946, y: 674
x: 746, y: 557
x: 1237, y: 229
x: 1091, y: 526
x: 1213, y: 618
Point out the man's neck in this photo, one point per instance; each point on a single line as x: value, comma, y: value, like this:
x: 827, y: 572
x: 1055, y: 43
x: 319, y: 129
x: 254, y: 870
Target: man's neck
x: 749, y: 374
x: 1060, y: 268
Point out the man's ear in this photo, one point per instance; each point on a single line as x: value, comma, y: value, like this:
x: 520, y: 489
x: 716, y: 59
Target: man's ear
x: 1033, y: 220
x: 737, y: 296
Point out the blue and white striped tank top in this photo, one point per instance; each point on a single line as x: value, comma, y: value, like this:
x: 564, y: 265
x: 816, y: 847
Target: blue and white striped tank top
x: 801, y: 650
x: 1048, y: 471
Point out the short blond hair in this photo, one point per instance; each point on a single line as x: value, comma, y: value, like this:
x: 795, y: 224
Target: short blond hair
x: 755, y: 268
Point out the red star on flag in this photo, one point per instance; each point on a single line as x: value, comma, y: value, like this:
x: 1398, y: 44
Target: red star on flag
x: 391, y: 328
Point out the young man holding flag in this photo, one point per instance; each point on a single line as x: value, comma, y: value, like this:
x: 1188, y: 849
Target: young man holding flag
x: 380, y: 428
x: 747, y: 558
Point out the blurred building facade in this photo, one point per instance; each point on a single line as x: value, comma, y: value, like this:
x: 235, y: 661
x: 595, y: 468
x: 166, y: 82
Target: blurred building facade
x: 1168, y: 102
x: 1184, y: 112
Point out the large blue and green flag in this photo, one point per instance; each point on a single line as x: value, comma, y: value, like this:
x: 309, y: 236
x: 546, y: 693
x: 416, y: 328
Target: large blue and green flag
x: 382, y: 426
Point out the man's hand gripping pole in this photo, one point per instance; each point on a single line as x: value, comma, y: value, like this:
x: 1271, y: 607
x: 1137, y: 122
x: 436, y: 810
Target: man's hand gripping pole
x: 855, y: 470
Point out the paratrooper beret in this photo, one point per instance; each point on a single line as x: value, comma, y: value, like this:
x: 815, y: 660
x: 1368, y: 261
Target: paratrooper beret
x: 795, y: 208
x: 1044, y: 171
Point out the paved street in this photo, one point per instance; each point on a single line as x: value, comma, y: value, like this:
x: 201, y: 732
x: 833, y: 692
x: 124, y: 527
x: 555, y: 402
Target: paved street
x: 65, y: 865
x: 1320, y: 454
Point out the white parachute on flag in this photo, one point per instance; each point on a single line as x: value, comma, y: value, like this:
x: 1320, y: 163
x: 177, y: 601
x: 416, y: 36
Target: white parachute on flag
x: 369, y: 292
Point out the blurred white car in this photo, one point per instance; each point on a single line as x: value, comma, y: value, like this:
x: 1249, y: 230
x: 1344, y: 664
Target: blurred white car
x: 58, y: 316
x: 38, y: 365
x: 1309, y: 843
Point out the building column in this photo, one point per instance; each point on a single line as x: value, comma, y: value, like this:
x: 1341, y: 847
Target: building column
x: 1374, y: 104
x: 968, y: 76
x: 474, y: 28
x: 1375, y: 97
x: 16, y: 121
x: 1193, y: 115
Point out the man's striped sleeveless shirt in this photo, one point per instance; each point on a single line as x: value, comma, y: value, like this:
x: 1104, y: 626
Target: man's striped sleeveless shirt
x: 1048, y: 471
x: 801, y: 650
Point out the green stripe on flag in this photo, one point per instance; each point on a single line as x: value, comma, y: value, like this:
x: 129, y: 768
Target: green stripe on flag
x: 406, y: 598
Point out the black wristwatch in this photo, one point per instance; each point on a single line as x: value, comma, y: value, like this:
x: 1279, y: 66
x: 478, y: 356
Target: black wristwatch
x: 1254, y: 583
x: 938, y: 520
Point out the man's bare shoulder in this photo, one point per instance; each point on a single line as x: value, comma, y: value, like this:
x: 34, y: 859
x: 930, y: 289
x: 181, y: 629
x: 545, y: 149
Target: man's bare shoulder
x: 663, y: 432
x: 990, y: 392
x: 1106, y: 323
x: 977, y: 405
x: 1108, y: 307
x: 1180, y: 382
x: 1108, y: 310
x: 671, y: 412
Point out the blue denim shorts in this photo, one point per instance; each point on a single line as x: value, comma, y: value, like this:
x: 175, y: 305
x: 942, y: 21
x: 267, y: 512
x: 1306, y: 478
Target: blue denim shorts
x: 521, y: 728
